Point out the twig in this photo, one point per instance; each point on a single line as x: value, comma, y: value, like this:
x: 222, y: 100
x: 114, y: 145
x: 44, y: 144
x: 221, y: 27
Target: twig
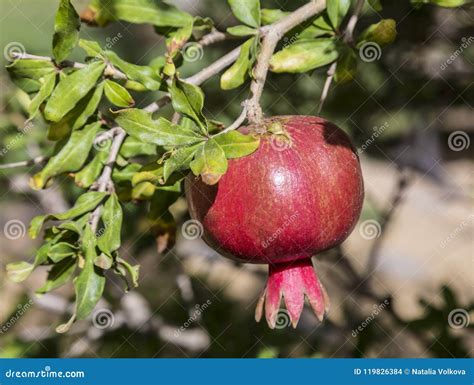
x: 105, y: 179
x: 348, y: 37
x: 351, y: 24
x: 238, y: 122
x: 327, y: 85
x: 24, y: 163
x: 403, y: 183
x: 214, y: 36
x: 269, y: 42
x: 110, y: 70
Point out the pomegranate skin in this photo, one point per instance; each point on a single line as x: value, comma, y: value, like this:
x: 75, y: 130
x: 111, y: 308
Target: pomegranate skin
x: 285, y: 201
x: 299, y: 193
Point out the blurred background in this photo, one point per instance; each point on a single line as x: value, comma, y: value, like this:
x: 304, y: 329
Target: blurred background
x: 400, y: 286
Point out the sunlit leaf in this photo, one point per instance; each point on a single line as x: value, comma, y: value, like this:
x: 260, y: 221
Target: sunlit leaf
x: 66, y: 30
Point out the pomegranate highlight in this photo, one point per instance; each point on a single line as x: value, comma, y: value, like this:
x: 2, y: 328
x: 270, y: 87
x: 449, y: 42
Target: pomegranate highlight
x: 299, y: 194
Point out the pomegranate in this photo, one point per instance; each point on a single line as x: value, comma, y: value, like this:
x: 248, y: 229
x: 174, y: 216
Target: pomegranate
x: 300, y: 193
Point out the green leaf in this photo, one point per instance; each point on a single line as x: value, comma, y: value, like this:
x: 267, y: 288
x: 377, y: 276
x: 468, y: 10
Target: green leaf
x: 336, y: 10
x: 140, y: 12
x: 442, y: 3
x: 179, y: 160
x: 145, y: 75
x: 117, y: 94
x: 139, y: 124
x: 71, y: 89
x: 247, y: 11
x: 241, y: 30
x: 60, y: 251
x: 84, y: 204
x: 346, y: 67
x: 152, y: 172
x: 71, y: 157
x: 90, y: 283
x: 66, y: 30
x: 126, y: 174
x: 109, y: 239
x: 88, y: 105
x: 188, y: 99
x: 47, y: 87
x: 270, y: 16
x: 375, y: 5
x: 134, y: 271
x: 304, y: 55
x: 132, y: 147
x: 210, y: 162
x: 88, y: 175
x: 19, y: 271
x: 59, y: 274
x: 91, y: 47
x: 31, y: 68
x: 237, y: 145
x: 238, y: 72
x: 382, y: 33
x: 161, y: 221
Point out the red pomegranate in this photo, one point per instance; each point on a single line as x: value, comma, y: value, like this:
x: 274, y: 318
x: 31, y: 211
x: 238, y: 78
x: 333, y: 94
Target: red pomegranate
x: 300, y: 193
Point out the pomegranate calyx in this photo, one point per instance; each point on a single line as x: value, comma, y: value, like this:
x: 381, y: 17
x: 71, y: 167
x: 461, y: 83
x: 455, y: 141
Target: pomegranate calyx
x: 292, y: 281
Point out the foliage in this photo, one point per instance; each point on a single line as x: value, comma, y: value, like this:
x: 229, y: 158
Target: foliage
x: 80, y: 102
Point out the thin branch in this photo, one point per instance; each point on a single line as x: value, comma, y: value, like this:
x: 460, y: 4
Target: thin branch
x: 348, y: 38
x: 238, y: 122
x: 351, y: 24
x: 269, y: 42
x: 214, y: 36
x: 327, y: 85
x: 110, y: 70
x: 24, y: 163
x: 105, y: 179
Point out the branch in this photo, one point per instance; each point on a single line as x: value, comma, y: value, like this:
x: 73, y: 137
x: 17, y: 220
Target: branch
x: 24, y: 163
x: 348, y: 38
x: 269, y: 42
x: 110, y: 70
x: 105, y: 180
